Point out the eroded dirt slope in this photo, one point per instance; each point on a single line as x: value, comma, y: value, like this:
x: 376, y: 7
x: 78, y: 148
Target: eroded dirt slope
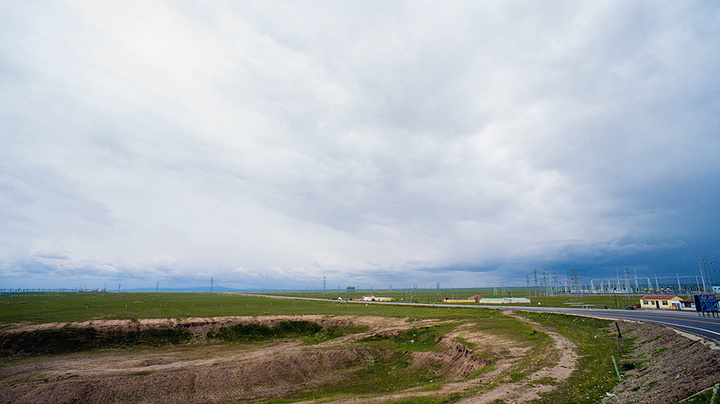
x: 664, y: 366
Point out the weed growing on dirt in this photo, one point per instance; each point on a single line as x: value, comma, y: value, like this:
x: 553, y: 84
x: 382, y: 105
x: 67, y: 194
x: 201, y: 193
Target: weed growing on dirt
x: 523, y: 335
x: 259, y: 332
x: 659, y: 351
x: 388, y: 366
x: 499, y: 324
x: 412, y: 340
x: 386, y: 371
x: 332, y: 332
x: 465, y: 342
x: 485, y: 369
x: 310, y: 332
x: 423, y: 400
x: 704, y: 397
x: 390, y: 373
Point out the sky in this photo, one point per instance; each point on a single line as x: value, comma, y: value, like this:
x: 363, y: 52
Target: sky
x: 274, y: 144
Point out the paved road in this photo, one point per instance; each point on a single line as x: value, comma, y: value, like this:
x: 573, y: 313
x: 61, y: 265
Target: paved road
x: 687, y: 321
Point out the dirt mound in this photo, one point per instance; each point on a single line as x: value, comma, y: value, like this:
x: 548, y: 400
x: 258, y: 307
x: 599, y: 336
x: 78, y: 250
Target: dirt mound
x: 268, y: 377
x: 664, y: 366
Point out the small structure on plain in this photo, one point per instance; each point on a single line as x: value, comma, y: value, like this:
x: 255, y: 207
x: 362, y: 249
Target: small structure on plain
x: 661, y: 302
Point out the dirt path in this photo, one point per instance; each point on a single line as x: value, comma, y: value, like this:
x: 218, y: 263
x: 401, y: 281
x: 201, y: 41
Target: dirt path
x: 544, y: 380
x: 508, y: 353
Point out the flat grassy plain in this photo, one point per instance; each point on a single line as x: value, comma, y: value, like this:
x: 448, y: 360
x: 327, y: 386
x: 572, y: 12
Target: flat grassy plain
x: 62, y: 307
x: 595, y: 343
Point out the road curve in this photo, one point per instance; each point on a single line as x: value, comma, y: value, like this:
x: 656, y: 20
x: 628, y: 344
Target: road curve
x: 686, y: 321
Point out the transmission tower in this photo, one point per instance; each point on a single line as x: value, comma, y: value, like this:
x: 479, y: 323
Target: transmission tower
x: 575, y: 277
x: 626, y: 280
x: 527, y: 285
x: 637, y: 285
x: 706, y: 273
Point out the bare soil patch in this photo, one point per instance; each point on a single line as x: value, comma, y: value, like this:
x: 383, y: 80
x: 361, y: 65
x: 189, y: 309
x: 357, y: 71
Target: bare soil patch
x: 664, y: 366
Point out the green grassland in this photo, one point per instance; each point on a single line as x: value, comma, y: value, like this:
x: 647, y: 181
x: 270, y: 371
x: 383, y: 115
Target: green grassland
x: 595, y: 377
x: 61, y: 307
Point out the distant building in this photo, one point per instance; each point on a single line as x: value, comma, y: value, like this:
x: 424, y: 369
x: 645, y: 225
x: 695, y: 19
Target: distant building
x: 488, y: 300
x: 687, y: 304
x: 661, y: 302
x: 503, y: 300
x: 451, y: 300
x: 376, y: 299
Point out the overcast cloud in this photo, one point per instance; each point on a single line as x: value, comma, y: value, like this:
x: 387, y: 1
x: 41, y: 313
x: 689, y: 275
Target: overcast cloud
x: 269, y: 144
